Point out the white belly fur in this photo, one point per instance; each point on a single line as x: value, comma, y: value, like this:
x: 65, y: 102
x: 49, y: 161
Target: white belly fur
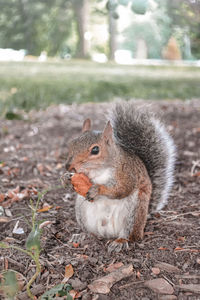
x: 110, y: 218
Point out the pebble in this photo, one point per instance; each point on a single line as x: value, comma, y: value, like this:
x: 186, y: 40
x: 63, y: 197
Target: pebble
x: 77, y: 284
x: 155, y: 271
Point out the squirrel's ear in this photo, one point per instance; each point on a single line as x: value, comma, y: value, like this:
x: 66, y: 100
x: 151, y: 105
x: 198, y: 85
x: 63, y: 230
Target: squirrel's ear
x: 86, y: 125
x: 107, y: 133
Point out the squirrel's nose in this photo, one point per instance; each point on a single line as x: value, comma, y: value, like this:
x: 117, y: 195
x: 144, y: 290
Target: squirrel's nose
x: 67, y: 166
x: 70, y: 167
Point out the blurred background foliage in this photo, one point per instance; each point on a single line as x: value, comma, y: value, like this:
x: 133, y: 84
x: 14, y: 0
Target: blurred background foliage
x: 73, y: 26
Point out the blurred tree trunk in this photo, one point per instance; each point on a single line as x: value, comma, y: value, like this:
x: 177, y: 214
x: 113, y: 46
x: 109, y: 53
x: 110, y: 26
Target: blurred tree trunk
x: 81, y: 12
x: 112, y: 24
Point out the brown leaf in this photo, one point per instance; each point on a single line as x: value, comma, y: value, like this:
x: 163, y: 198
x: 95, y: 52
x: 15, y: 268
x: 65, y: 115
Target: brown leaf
x: 73, y: 294
x: 103, y: 284
x: 45, y: 208
x: 75, y: 245
x: 181, y: 238
x: 138, y: 274
x: 162, y: 248
x: 113, y: 267
x: 44, y: 224
x: 11, y: 194
x: 69, y: 272
x: 82, y: 256
x: 2, y: 197
x: 4, y: 220
x: 16, y: 190
x: 178, y: 249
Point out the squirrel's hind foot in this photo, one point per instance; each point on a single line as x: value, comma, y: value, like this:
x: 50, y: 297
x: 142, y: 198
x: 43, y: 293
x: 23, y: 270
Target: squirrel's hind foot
x: 118, y: 245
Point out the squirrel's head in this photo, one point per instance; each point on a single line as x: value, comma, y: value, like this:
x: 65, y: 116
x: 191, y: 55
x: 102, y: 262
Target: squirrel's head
x: 91, y: 150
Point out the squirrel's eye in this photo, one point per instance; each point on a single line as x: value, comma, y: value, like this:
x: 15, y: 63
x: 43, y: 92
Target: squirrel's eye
x: 95, y: 150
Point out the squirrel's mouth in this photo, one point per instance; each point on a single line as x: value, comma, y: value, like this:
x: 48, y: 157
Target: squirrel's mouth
x: 73, y: 170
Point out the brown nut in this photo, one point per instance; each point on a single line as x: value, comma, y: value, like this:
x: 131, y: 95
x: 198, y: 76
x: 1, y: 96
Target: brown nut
x: 81, y: 183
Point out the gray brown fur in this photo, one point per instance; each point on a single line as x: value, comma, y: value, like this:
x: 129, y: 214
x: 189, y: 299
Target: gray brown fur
x: 139, y: 133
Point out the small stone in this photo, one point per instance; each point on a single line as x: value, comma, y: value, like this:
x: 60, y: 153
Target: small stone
x: 160, y: 286
x: 77, y: 284
x: 93, y: 260
x: 155, y: 271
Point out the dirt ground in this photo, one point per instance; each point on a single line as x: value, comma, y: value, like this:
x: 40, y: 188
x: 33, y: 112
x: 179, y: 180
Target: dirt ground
x: 32, y: 158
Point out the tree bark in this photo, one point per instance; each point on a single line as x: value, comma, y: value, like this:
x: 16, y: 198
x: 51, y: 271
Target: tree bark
x: 81, y: 9
x: 112, y: 23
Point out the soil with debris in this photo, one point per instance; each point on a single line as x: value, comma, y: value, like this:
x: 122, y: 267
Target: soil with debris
x: 166, y: 264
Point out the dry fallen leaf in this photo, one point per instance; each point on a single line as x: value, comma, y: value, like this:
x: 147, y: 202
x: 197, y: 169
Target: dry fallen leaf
x: 113, y: 267
x: 45, y: 208
x: 75, y: 245
x: 69, y: 272
x: 2, y: 197
x: 44, y: 224
x: 162, y: 248
x: 103, y: 285
x: 74, y: 294
x: 82, y: 256
x: 138, y: 274
x: 181, y: 238
x: 178, y: 249
x: 4, y: 220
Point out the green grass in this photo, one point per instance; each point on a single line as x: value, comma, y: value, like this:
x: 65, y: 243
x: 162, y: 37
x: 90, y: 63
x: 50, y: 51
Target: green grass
x: 30, y: 85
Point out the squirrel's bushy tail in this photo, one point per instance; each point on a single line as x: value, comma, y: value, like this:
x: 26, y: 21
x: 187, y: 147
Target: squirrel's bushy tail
x: 138, y: 132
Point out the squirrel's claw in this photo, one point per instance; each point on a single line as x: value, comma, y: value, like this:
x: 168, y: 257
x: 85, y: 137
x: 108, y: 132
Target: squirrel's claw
x: 118, y: 245
x: 92, y: 193
x: 66, y: 179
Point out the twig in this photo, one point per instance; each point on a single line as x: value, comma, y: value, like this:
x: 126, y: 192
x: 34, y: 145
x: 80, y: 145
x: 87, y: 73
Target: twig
x: 131, y: 283
x: 171, y: 218
x: 187, y: 276
x: 168, y: 280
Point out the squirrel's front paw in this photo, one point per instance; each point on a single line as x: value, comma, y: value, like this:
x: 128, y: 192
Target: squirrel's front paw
x: 66, y: 179
x: 92, y: 193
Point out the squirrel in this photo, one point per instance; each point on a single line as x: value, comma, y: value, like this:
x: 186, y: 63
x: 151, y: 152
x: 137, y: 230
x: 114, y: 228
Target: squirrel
x: 130, y: 165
